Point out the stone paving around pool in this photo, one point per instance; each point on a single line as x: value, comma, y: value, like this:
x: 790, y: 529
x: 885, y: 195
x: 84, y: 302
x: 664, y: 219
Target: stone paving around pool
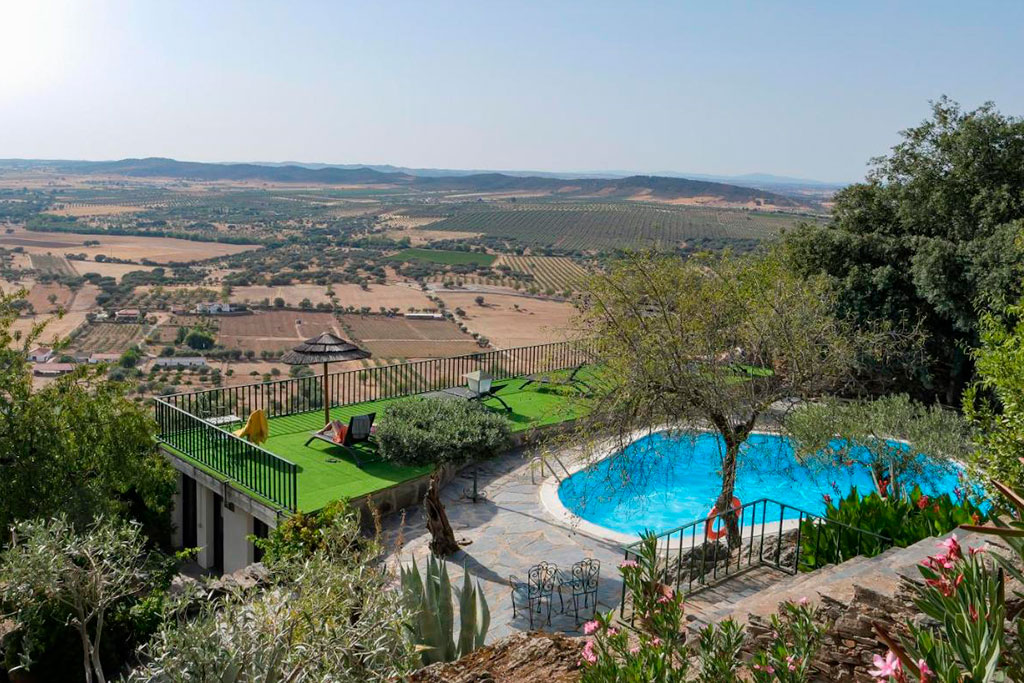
x: 510, y: 531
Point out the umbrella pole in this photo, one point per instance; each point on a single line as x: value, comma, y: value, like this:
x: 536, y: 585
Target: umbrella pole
x: 327, y: 405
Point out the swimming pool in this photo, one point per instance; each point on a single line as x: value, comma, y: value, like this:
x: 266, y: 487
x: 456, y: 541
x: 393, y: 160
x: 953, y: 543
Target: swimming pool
x: 664, y: 480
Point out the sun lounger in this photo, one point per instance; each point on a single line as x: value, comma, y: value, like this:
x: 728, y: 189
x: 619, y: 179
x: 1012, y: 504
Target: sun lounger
x: 357, y: 431
x: 557, y: 381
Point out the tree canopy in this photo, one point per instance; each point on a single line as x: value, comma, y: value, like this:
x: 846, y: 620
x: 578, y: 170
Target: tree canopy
x: 886, y: 436
x: 76, y: 446
x: 995, y: 402
x: 932, y: 235
x: 712, y: 342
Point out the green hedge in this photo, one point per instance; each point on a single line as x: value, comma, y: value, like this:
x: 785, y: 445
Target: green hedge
x: 436, y: 430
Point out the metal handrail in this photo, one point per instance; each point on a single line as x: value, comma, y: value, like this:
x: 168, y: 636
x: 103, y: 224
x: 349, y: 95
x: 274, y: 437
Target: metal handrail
x: 248, y: 465
x: 301, y: 394
x: 753, y: 517
x: 183, y: 428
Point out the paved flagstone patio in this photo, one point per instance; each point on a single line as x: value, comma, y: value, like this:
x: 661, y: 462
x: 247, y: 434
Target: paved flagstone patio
x: 510, y: 531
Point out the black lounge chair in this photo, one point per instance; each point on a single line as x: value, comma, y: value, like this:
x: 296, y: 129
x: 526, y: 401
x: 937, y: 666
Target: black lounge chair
x: 554, y: 380
x: 470, y: 395
x: 479, y: 388
x: 358, y: 431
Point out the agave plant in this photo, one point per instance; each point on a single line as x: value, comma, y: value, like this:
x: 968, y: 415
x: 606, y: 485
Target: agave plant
x: 432, y: 627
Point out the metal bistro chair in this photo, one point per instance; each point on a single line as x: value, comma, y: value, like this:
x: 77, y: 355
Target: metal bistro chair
x: 539, y: 586
x: 582, y: 581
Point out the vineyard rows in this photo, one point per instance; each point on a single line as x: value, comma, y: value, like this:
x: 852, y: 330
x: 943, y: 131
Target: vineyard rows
x: 554, y: 272
x: 603, y: 226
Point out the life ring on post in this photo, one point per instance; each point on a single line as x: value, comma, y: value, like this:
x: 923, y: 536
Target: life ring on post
x: 709, y: 525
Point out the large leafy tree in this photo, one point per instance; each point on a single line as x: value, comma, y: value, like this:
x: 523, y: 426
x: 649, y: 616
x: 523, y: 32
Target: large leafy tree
x: 995, y: 402
x: 76, y: 447
x: 712, y: 342
x: 931, y: 235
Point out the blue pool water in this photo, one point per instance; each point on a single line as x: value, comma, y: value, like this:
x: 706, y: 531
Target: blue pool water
x: 664, y: 480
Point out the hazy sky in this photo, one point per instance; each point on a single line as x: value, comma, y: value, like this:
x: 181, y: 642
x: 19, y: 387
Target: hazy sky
x: 807, y: 89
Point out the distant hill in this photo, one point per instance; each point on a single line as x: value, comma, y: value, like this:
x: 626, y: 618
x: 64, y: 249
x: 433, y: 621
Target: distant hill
x: 637, y: 187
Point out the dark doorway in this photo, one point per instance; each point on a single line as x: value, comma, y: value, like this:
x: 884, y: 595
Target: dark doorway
x: 218, y: 534
x: 188, y: 512
x: 259, y: 530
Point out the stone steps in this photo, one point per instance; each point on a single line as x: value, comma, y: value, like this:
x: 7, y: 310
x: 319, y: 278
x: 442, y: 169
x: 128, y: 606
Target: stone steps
x: 881, y: 573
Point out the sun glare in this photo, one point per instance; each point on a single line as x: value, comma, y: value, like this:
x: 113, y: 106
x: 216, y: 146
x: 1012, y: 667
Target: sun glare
x: 33, y: 41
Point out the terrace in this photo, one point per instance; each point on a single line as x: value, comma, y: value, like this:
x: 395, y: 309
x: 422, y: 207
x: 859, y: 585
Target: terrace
x: 286, y: 474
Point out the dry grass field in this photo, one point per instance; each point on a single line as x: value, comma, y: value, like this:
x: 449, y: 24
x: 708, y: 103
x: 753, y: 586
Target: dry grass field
x: 39, y: 297
x: 156, y: 249
x: 509, y: 320
x: 108, y: 337
x: 55, y: 329
x: 401, y: 338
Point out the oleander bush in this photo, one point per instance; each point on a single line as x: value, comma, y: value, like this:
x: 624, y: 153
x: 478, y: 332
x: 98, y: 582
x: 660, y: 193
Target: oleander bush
x: 435, y: 431
x: 903, y: 520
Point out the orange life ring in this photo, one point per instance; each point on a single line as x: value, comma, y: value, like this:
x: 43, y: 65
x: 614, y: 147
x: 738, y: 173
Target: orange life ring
x: 709, y: 525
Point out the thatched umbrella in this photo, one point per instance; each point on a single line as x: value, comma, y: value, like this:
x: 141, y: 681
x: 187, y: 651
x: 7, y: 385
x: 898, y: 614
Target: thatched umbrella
x: 324, y: 348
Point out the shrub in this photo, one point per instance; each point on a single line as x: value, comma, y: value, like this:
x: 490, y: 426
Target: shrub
x: 436, y: 431
x: 904, y: 520
x: 970, y: 635
x: 658, y: 653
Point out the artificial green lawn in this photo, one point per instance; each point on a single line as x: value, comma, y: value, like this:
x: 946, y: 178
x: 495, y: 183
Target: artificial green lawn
x: 328, y: 472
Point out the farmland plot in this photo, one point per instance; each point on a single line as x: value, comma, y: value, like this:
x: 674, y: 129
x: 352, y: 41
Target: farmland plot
x: 41, y: 294
x: 52, y: 264
x: 273, y: 331
x: 549, y: 272
x: 108, y: 337
x: 397, y: 337
x: 509, y: 320
x: 603, y: 226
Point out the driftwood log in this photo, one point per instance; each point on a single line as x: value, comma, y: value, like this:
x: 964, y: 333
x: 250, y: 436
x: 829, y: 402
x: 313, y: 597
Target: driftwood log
x: 442, y: 538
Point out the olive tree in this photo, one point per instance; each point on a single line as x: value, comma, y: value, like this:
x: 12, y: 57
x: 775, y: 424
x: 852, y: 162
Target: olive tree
x: 332, y: 611
x: 711, y: 342
x: 885, y: 436
x: 87, y: 573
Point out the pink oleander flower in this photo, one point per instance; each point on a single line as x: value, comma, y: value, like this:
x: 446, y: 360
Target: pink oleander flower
x: 922, y: 502
x: 656, y: 642
x: 827, y: 498
x: 889, y: 666
x: 613, y: 631
x: 588, y: 653
x: 802, y: 601
x: 938, y: 562
x: 952, y: 547
x: 925, y: 670
x: 975, y: 551
x: 973, y: 612
x: 635, y: 650
x: 590, y: 627
x: 791, y: 662
x: 628, y: 564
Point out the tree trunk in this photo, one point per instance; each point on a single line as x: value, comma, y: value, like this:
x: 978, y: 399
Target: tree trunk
x: 86, y: 649
x: 724, y: 502
x: 442, y: 537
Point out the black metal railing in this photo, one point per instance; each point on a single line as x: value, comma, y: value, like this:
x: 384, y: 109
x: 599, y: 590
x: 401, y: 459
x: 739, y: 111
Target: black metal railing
x: 302, y: 394
x: 255, y: 469
x: 771, y: 534
x: 186, y: 421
